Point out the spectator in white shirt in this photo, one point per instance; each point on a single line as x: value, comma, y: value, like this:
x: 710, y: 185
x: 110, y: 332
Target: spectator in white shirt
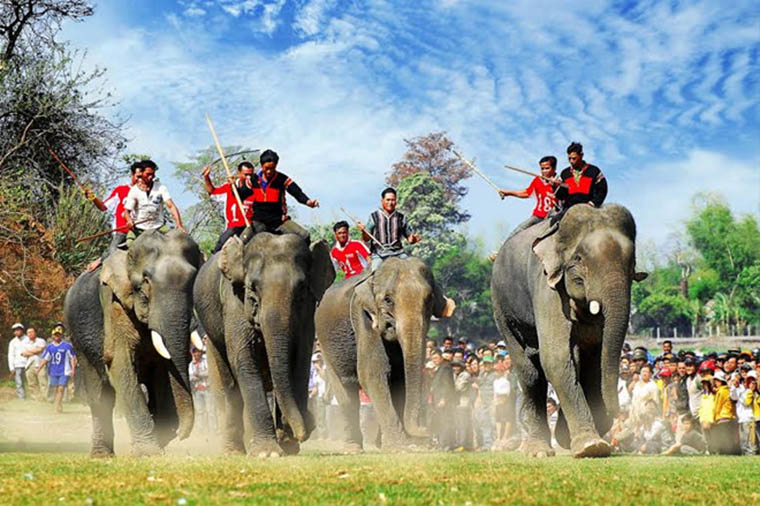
x: 17, y: 361
x: 144, y: 205
x: 644, y: 390
x: 36, y: 380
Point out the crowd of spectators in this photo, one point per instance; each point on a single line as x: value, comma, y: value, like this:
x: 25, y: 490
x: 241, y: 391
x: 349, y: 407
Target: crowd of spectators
x: 42, y: 369
x: 688, y: 402
x: 673, y: 403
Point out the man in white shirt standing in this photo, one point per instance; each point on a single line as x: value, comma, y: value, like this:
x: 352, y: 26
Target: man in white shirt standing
x: 17, y: 361
x: 36, y: 380
x: 644, y: 390
x: 144, y: 205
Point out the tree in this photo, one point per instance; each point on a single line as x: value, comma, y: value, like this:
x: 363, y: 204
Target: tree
x: 432, y: 154
x: 430, y: 213
x: 36, y: 22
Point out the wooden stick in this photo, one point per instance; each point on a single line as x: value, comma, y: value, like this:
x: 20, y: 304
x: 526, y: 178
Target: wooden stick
x: 227, y: 168
x: 99, y: 234
x: 477, y: 171
x: 63, y: 165
x: 533, y: 174
x: 365, y: 231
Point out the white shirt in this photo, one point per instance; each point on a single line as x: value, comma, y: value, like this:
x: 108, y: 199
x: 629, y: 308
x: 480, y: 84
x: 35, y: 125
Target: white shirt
x: 147, y: 205
x: 198, y: 372
x: 15, y: 358
x: 501, y: 386
x: 27, y: 345
x: 624, y: 398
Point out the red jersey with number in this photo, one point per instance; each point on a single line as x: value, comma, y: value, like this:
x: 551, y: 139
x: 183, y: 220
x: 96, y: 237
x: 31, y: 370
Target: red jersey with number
x: 545, y: 200
x: 232, y: 215
x: 352, y: 258
x: 115, y: 203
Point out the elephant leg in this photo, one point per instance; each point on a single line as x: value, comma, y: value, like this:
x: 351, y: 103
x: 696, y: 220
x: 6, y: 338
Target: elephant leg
x: 123, y: 377
x: 257, y: 417
x: 346, y: 390
x: 221, y: 379
x: 533, y: 382
x: 560, y: 359
x: 374, y: 371
x: 100, y: 398
x: 302, y: 367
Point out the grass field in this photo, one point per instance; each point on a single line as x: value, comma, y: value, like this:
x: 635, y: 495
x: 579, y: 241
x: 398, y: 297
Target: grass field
x: 43, y: 460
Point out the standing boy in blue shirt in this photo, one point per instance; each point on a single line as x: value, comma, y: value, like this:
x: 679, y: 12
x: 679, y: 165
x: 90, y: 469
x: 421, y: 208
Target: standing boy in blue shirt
x: 63, y: 364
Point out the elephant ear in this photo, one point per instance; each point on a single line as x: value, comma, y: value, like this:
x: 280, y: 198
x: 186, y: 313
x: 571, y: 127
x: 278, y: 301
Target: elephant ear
x: 322, y: 272
x: 230, y: 260
x: 363, y: 309
x: 114, y: 274
x: 547, y: 250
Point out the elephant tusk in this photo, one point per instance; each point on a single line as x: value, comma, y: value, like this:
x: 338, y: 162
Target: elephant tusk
x: 593, y: 307
x: 158, y: 344
x: 195, y: 338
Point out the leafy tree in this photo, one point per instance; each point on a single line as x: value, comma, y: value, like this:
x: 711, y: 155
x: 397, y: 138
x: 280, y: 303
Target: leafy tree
x: 667, y: 310
x: 422, y: 200
x: 432, y: 154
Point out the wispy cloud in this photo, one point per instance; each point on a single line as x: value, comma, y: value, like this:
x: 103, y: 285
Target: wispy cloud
x: 335, y: 87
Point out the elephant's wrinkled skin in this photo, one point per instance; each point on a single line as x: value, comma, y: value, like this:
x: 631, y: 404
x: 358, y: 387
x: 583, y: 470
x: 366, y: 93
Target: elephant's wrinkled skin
x: 256, y: 301
x: 562, y: 307
x: 372, y: 330
x: 143, y: 304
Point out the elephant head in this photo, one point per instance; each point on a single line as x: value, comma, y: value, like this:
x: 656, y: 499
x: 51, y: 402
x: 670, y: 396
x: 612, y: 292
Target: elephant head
x: 395, y: 303
x: 280, y: 279
x: 155, y: 285
x: 590, y: 261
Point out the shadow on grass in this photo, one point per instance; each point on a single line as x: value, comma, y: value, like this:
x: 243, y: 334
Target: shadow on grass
x: 32, y: 447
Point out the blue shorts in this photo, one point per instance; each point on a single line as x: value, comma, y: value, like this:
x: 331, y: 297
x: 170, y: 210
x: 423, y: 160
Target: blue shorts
x: 59, y: 381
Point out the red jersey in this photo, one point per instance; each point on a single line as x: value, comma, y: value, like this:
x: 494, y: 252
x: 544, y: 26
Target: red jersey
x: 545, y: 200
x: 232, y: 215
x: 115, y: 203
x: 352, y: 258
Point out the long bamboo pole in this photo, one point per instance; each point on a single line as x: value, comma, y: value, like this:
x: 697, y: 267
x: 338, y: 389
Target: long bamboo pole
x: 227, y: 168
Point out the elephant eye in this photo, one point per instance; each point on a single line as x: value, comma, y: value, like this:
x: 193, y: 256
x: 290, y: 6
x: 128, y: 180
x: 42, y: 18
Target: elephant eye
x: 388, y: 300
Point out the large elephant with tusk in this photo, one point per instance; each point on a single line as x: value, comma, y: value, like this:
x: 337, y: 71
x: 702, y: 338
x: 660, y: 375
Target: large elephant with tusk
x: 562, y: 304
x: 372, y: 330
x: 130, y: 324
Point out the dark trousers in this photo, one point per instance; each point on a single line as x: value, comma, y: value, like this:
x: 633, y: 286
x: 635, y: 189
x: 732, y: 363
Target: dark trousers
x: 236, y: 231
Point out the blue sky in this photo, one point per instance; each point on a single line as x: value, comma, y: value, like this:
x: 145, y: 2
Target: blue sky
x: 663, y: 95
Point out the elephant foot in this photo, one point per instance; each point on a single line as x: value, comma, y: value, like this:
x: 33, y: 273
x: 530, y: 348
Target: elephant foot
x: 352, y: 448
x: 101, y: 453
x: 266, y: 449
x: 146, y: 450
x: 534, y: 447
x: 590, y: 446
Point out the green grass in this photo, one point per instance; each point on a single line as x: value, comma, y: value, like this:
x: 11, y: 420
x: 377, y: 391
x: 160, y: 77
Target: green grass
x: 429, y: 478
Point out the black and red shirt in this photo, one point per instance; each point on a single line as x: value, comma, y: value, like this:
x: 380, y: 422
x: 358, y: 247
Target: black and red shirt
x: 589, y: 185
x: 268, y: 197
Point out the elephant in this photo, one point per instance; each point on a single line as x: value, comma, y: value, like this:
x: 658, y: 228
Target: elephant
x: 130, y: 326
x: 372, y: 330
x: 561, y: 302
x: 256, y: 301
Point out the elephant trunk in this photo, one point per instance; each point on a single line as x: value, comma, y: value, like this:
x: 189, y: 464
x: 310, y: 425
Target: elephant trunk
x: 615, y: 310
x: 412, y: 336
x: 173, y: 329
x: 279, y: 337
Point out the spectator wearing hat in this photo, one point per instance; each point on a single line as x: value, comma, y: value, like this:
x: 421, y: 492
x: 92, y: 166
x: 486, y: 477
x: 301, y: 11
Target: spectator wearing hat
x: 36, y: 381
x: 63, y: 362
x: 725, y: 432
x: 463, y: 388
x: 745, y: 414
x: 17, y: 361
x: 198, y: 373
